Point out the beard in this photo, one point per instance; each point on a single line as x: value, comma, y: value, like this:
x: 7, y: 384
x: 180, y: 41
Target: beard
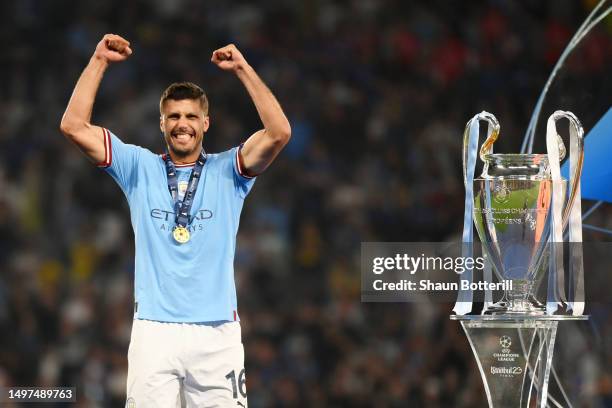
x: 183, y: 149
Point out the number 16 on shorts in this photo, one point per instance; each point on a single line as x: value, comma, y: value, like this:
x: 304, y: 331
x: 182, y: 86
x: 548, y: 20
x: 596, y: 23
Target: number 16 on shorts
x: 238, y: 383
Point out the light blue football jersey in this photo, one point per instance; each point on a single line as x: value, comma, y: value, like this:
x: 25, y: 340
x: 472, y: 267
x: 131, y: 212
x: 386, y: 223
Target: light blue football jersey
x: 191, y: 282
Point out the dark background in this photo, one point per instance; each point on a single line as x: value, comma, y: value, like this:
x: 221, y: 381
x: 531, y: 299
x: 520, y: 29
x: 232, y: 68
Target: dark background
x: 377, y: 93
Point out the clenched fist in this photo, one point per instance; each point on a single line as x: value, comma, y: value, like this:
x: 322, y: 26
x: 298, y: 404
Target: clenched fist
x: 228, y: 58
x: 113, y: 48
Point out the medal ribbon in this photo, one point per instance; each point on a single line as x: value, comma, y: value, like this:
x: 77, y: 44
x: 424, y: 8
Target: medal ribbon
x: 183, y: 207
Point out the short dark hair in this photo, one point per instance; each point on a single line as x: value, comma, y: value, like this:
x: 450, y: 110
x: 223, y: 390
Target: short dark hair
x: 184, y: 90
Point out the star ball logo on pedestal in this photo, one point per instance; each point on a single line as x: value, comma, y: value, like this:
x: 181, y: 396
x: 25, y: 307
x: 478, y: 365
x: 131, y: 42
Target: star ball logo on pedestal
x: 505, y: 356
x: 505, y: 342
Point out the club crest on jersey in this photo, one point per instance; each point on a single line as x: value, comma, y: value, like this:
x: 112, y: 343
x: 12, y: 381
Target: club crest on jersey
x: 182, y: 187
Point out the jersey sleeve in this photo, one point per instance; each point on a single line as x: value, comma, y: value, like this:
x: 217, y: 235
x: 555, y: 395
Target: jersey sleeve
x: 242, y: 182
x: 121, y: 161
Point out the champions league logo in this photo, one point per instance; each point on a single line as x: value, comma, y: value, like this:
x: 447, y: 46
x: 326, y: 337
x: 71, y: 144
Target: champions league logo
x: 505, y: 342
x: 506, y: 354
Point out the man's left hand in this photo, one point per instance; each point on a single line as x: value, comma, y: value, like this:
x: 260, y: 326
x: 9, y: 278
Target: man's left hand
x: 228, y: 58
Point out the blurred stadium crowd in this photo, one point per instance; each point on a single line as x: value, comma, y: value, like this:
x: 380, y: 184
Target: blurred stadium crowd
x: 377, y: 93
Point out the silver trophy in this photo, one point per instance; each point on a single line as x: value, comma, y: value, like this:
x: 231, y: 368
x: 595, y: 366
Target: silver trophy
x: 520, y: 206
x: 512, y: 214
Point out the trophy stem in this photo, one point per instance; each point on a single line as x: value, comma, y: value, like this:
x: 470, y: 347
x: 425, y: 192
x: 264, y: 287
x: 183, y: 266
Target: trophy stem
x: 520, y: 299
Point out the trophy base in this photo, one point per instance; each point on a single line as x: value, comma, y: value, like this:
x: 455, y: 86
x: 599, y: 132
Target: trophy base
x: 514, y: 356
x: 525, y: 307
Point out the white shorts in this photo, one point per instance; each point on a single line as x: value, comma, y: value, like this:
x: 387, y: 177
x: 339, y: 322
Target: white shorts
x: 185, y: 365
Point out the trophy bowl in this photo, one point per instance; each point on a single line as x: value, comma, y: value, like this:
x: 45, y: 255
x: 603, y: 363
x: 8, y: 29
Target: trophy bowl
x: 512, y: 202
x: 511, y: 205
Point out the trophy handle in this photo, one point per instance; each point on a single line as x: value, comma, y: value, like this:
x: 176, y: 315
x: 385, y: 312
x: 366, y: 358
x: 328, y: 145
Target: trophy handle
x: 575, y: 123
x: 487, y: 146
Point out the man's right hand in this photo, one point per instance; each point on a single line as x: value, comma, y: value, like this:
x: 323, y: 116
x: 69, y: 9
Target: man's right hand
x: 76, y: 123
x: 113, y: 48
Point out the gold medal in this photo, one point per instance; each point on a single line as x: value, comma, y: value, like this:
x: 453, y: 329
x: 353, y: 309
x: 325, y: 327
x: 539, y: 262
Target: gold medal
x: 181, y: 234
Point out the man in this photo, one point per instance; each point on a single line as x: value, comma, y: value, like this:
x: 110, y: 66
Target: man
x: 185, y: 208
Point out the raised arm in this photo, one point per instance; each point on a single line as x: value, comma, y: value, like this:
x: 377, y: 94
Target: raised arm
x: 260, y: 150
x: 76, y: 122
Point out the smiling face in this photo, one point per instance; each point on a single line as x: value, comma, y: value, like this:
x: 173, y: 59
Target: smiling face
x: 183, y: 123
